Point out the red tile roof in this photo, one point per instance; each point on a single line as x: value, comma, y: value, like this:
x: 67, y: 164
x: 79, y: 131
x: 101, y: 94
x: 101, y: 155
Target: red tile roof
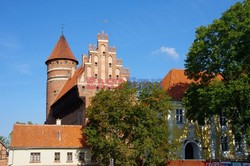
x: 176, y: 83
x: 47, y: 136
x: 69, y: 84
x: 62, y: 51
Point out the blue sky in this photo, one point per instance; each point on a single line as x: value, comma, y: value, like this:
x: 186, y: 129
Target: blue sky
x: 150, y: 36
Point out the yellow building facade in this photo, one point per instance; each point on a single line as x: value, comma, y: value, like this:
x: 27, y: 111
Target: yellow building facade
x: 212, y: 141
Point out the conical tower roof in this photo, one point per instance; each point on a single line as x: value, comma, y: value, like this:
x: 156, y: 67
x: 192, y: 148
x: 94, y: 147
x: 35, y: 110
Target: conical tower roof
x: 62, y: 51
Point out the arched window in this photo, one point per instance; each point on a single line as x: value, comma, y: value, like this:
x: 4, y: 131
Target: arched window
x: 103, y: 50
x: 96, y: 60
x: 89, y: 71
x: 110, y: 61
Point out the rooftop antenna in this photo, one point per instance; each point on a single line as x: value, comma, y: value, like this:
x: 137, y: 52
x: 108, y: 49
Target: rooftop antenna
x: 103, y: 22
x: 62, y: 27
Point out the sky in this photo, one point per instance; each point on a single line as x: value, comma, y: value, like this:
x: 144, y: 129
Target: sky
x: 151, y: 37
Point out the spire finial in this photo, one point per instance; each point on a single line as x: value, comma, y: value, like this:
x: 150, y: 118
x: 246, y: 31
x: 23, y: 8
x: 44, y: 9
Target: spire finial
x: 103, y: 22
x: 62, y: 28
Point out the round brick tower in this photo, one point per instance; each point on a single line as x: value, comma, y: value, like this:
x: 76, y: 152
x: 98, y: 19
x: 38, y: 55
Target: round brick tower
x: 61, y: 65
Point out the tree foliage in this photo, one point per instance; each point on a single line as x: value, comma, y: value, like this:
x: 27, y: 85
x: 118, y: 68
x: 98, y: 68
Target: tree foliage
x: 223, y: 47
x: 6, y: 140
x: 129, y: 125
x: 222, y: 50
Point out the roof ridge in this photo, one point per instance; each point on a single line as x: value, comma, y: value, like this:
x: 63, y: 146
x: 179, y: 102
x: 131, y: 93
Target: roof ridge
x: 46, y: 125
x: 71, y: 82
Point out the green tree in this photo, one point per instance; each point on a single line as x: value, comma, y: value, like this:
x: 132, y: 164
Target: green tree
x: 129, y: 125
x: 6, y: 140
x: 222, y: 50
x: 223, y: 47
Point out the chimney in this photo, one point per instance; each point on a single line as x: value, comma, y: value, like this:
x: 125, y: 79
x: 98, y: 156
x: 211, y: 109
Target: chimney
x: 58, y: 121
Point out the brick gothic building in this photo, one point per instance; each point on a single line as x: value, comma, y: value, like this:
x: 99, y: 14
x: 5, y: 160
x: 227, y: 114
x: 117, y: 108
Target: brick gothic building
x: 69, y: 89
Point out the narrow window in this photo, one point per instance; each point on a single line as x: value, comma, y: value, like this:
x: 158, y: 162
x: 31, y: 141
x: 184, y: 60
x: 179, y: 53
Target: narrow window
x: 223, y: 120
x: 35, y: 157
x: 179, y: 116
x: 110, y: 76
x: 69, y: 157
x: 57, y: 157
x: 103, y: 54
x: 238, y: 144
x: 224, y: 143
x: 95, y: 76
x: 117, y: 77
x: 95, y: 63
x: 110, y: 65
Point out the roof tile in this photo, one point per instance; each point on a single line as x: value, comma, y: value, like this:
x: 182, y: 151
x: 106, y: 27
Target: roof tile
x: 47, y: 136
x: 62, y: 51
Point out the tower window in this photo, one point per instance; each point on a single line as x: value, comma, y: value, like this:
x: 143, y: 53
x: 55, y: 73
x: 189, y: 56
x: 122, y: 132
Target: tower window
x: 110, y: 65
x: 110, y: 76
x: 95, y: 63
x: 104, y: 54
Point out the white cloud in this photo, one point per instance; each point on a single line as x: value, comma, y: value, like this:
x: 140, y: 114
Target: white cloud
x: 24, y: 69
x: 8, y: 42
x: 167, y: 51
